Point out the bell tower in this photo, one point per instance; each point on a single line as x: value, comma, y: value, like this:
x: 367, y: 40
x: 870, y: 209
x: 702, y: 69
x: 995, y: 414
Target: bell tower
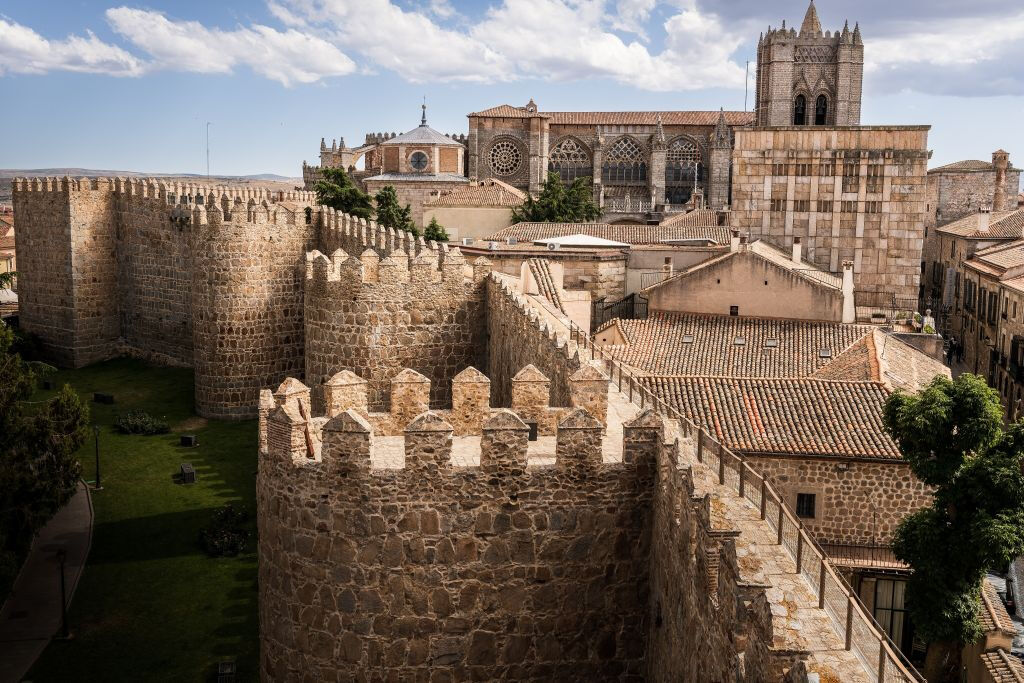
x: 810, y: 78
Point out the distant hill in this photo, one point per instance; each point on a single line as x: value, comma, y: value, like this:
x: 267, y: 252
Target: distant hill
x: 272, y: 180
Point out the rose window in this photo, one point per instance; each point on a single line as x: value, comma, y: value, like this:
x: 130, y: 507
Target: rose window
x: 418, y: 161
x: 506, y: 158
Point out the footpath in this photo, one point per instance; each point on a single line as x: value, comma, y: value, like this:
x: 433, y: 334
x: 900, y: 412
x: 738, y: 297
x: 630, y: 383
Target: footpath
x: 31, y: 617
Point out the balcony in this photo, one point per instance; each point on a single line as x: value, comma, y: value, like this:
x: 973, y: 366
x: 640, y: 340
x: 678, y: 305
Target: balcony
x: 856, y: 556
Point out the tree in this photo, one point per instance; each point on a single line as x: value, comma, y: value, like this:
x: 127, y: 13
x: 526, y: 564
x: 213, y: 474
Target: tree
x: 391, y: 215
x: 435, y: 231
x: 559, y: 204
x: 953, y: 438
x: 7, y: 279
x: 38, y: 467
x: 337, y: 191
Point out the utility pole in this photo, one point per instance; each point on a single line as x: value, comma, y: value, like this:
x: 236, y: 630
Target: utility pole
x: 208, y: 149
x: 746, y: 81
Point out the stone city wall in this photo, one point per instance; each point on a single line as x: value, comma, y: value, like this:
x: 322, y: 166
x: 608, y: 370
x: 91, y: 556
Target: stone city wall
x: 857, y: 502
x: 505, y: 569
x: 953, y: 195
x: 517, y: 337
x: 378, y: 315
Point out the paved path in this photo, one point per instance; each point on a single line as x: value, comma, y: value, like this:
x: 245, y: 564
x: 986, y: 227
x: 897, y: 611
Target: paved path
x: 31, y: 616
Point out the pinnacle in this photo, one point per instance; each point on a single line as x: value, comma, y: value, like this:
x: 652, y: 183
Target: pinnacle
x: 811, y: 26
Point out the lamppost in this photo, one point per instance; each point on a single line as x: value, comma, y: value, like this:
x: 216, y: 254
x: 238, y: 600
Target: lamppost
x: 96, y: 436
x: 65, y: 633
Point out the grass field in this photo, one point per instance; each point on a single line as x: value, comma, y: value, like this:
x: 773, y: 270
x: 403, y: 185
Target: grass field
x: 151, y: 606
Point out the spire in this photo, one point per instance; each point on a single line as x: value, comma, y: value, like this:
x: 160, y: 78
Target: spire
x: 846, y: 29
x: 811, y: 26
x: 856, y: 34
x: 720, y: 139
x: 423, y: 119
x: 659, y: 132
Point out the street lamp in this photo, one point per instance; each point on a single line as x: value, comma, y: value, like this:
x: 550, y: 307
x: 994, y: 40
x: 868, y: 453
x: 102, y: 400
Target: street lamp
x: 96, y: 436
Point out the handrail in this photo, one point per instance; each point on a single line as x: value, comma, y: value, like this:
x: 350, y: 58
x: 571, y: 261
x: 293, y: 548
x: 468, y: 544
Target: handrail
x: 891, y: 663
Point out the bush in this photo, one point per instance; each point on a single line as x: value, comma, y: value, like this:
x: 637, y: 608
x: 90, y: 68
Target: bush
x: 227, y: 534
x: 435, y: 231
x: 140, y: 422
x: 928, y: 329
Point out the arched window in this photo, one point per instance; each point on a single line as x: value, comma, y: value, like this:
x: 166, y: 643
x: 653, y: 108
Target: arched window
x: 820, y: 110
x: 800, y: 111
x: 683, y: 165
x: 569, y: 160
x: 625, y: 163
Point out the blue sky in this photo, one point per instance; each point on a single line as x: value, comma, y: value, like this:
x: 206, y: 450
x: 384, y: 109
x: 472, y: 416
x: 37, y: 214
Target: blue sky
x: 130, y: 86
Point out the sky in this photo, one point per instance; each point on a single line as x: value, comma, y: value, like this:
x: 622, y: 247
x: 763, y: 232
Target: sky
x: 105, y: 85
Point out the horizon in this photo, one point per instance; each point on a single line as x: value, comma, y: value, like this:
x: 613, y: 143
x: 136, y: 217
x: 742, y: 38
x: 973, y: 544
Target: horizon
x: 104, y: 86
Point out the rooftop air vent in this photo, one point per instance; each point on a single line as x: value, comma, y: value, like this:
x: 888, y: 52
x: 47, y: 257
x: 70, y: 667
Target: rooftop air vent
x: 511, y: 240
x: 825, y: 353
x: 554, y: 246
x: 467, y: 241
x: 687, y: 338
x: 739, y: 341
x: 771, y: 343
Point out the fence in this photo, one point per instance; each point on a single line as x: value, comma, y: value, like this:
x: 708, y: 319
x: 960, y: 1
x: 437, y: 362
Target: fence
x: 632, y: 307
x: 861, y: 633
x: 648, y: 279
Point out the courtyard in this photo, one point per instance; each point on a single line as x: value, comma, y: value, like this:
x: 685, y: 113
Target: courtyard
x: 151, y: 605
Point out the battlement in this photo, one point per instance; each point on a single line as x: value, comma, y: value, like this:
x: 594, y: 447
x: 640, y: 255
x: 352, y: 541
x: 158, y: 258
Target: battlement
x: 171, y: 192
x: 409, y: 402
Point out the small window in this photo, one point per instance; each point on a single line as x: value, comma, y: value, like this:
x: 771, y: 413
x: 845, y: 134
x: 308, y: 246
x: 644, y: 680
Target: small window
x: 778, y: 205
x: 800, y: 205
x: 849, y: 207
x: 827, y: 170
x: 824, y: 353
x: 739, y: 341
x: 800, y: 110
x: 825, y: 206
x: 687, y: 338
x: 734, y: 310
x: 805, y: 505
x: 872, y: 207
x: 820, y: 110
x: 771, y: 343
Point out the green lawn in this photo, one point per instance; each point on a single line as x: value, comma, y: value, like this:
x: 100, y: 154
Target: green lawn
x: 151, y: 605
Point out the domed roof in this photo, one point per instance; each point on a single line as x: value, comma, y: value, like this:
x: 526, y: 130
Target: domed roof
x: 423, y: 135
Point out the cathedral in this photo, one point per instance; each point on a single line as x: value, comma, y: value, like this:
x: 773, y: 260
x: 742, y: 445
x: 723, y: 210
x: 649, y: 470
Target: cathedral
x: 799, y: 166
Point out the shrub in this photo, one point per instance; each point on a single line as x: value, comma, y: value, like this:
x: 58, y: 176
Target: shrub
x: 435, y: 231
x: 928, y: 329
x: 227, y: 533
x: 140, y: 422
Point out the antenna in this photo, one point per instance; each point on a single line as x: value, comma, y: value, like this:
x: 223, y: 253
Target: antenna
x: 746, y: 81
x: 207, y: 150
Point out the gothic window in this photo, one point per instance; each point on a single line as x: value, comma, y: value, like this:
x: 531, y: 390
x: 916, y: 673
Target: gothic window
x: 800, y: 111
x: 625, y: 162
x: 418, y: 161
x: 505, y: 157
x: 820, y: 110
x: 683, y: 165
x: 569, y: 160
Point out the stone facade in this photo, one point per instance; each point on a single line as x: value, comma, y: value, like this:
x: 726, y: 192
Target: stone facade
x: 964, y: 187
x: 602, y: 272
x: 856, y: 502
x: 851, y: 194
x: 415, y: 192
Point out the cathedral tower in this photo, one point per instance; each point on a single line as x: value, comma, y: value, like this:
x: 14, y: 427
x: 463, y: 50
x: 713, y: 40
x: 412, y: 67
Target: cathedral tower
x: 809, y: 78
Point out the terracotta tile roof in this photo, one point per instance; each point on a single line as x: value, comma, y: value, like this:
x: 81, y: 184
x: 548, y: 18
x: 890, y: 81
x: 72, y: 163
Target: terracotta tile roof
x: 784, y: 416
x: 621, y: 118
x: 1002, y: 257
x: 1003, y: 667
x: 993, y: 615
x: 965, y: 165
x: 699, y: 218
x: 1001, y: 225
x: 485, y: 193
x: 858, y: 363
x: 421, y: 177
x: 901, y: 366
x: 630, y: 234
x: 706, y: 345
x: 541, y: 271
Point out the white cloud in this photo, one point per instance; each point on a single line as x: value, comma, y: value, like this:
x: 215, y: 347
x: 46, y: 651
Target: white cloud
x: 22, y: 50
x: 289, y: 57
x: 547, y: 39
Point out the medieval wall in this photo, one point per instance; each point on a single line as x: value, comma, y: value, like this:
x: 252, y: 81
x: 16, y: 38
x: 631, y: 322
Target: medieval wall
x: 372, y: 574
x: 856, y: 502
x: 953, y: 195
x: 376, y: 316
x: 852, y: 194
x: 516, y: 339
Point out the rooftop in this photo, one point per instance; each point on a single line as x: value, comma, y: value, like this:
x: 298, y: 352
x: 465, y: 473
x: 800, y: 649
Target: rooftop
x: 423, y: 135
x: 484, y: 193
x: 1001, y: 225
x: 628, y: 234
x: 639, y: 118
x: 421, y: 177
x: 967, y: 165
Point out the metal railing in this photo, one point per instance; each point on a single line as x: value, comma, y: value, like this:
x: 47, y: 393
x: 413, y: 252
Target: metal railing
x: 858, y: 628
x: 864, y: 556
x: 648, y: 279
x: 627, y: 205
x: 631, y: 307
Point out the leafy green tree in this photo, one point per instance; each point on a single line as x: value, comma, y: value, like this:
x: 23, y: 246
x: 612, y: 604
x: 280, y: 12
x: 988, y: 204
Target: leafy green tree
x: 38, y: 467
x: 337, y: 191
x: 391, y: 215
x: 953, y: 438
x: 7, y: 279
x: 435, y: 231
x: 559, y: 204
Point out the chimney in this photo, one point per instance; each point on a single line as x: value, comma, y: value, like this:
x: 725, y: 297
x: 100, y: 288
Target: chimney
x: 667, y: 267
x: 743, y: 243
x: 983, y: 219
x: 849, y: 309
x: 797, y: 250
x: 1001, y: 160
x: 734, y: 243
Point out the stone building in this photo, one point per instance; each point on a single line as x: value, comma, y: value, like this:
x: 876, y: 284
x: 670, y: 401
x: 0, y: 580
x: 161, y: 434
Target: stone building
x: 640, y: 164
x: 8, y: 256
x: 964, y: 187
x: 810, y: 78
x: 473, y: 211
